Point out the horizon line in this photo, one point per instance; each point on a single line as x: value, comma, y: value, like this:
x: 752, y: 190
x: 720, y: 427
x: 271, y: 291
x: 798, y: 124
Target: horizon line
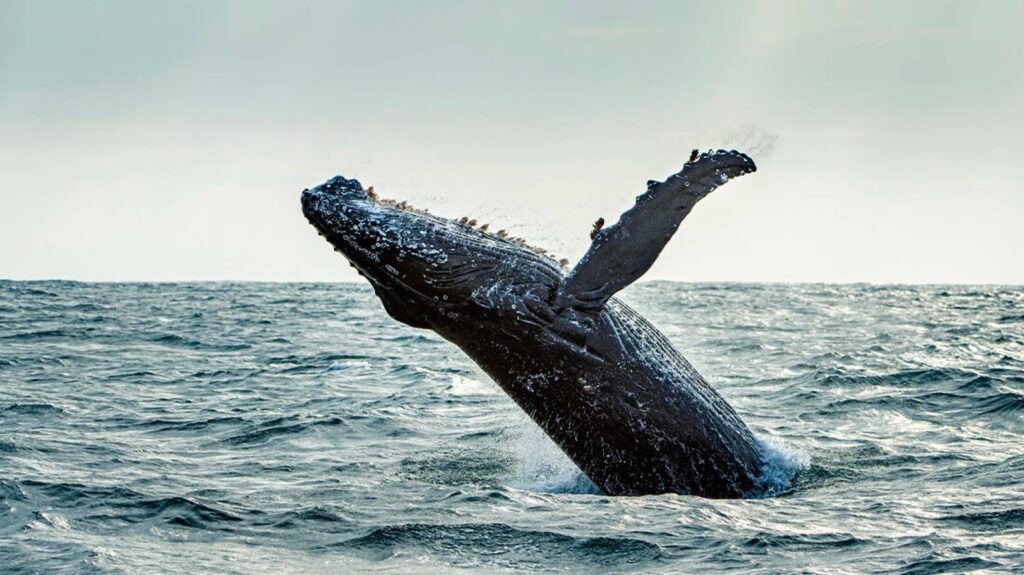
x: 642, y: 281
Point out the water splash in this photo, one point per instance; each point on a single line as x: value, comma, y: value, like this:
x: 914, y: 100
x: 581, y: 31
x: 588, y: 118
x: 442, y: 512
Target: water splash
x: 542, y: 466
x: 782, y: 463
x: 754, y: 140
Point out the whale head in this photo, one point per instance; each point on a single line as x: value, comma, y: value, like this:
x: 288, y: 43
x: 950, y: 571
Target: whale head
x: 427, y: 270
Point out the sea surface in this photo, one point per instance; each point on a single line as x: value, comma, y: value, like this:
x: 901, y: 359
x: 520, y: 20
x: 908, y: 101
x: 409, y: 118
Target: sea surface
x: 295, y: 428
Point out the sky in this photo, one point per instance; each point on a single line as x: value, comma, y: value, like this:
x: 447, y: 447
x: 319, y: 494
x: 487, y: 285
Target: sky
x: 171, y: 140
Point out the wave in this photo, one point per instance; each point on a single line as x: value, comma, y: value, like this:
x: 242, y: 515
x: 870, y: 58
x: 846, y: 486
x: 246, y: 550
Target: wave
x: 34, y: 409
x: 269, y: 430
x: 180, y: 511
x: 298, y: 364
x: 48, y: 334
x: 73, y: 494
x: 499, y: 543
x: 939, y: 564
x: 1001, y: 520
x: 175, y: 340
x: 170, y: 425
x: 827, y: 541
x: 316, y: 514
x: 1004, y: 403
x: 840, y: 377
x: 114, y: 505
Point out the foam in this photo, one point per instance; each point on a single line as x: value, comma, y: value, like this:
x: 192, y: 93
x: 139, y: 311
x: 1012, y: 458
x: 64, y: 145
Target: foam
x: 782, y: 462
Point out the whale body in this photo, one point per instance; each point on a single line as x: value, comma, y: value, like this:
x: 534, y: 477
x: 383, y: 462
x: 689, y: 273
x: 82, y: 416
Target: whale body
x: 603, y: 383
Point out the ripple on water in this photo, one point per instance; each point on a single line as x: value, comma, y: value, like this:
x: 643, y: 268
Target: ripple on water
x: 183, y: 428
x: 501, y: 545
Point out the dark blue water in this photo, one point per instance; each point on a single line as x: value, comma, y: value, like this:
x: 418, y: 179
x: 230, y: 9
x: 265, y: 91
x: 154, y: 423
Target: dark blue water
x: 294, y: 428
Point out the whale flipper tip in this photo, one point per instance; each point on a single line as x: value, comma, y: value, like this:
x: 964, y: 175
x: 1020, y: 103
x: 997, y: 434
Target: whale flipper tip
x: 624, y: 251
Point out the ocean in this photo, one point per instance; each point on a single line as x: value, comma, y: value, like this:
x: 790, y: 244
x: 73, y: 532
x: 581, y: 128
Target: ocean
x: 295, y: 428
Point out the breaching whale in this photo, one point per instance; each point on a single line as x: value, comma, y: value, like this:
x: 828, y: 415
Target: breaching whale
x: 602, y: 382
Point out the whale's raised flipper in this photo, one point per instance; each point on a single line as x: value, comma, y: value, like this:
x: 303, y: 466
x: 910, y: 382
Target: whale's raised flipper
x: 621, y: 253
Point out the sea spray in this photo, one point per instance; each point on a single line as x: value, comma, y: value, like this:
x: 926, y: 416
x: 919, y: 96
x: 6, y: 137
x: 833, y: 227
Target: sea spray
x: 782, y: 462
x: 542, y: 466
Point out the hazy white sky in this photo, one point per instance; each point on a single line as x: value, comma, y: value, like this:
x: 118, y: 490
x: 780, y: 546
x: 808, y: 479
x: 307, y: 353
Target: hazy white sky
x: 170, y: 140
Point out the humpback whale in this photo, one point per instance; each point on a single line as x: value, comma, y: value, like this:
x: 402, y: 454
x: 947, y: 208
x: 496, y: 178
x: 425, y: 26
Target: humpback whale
x: 603, y: 383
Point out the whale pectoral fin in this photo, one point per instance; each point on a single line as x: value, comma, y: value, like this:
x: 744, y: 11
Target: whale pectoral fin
x: 621, y: 253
